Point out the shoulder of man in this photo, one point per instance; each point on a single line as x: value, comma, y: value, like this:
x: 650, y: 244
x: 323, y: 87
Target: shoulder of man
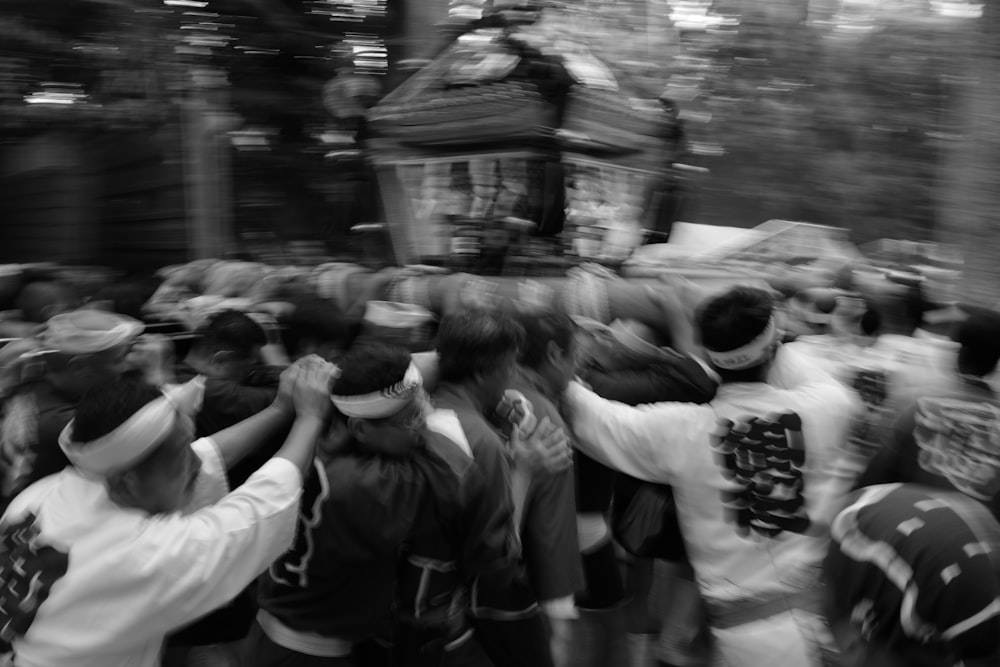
x: 542, y: 405
x: 449, y: 447
x: 479, y: 433
x: 352, y: 477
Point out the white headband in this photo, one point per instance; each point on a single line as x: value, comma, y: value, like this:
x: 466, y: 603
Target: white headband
x: 382, y: 403
x: 137, y: 437
x: 89, y: 332
x: 748, y: 355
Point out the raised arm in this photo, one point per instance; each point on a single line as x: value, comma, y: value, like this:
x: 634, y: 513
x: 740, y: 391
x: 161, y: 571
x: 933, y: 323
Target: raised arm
x: 311, y: 397
x: 216, y: 551
x: 236, y: 442
x: 641, y: 442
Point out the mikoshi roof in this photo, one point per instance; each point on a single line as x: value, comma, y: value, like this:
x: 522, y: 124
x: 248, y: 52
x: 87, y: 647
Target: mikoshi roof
x: 516, y: 85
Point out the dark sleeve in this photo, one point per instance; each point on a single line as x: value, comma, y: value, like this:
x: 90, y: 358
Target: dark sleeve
x: 887, y: 465
x: 48, y: 455
x: 595, y: 484
x: 488, y: 452
x: 505, y: 590
x: 484, y: 547
x: 551, y: 548
x: 372, y: 505
x: 227, y: 403
x: 682, y: 379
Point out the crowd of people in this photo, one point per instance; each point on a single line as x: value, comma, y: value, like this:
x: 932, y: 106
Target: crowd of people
x: 539, y: 490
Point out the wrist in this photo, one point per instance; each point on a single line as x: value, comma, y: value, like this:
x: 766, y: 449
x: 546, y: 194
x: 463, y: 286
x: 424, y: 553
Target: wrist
x: 310, y: 420
x: 282, y: 407
x: 159, y: 378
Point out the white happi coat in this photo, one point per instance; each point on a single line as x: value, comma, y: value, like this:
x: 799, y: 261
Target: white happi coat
x: 739, y: 563
x: 99, y: 585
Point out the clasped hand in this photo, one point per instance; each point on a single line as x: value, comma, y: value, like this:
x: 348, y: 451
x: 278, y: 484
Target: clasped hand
x: 305, y: 387
x: 545, y: 449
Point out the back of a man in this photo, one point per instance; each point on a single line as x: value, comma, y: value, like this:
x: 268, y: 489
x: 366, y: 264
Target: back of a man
x: 931, y: 597
x: 457, y: 536
x: 750, y: 473
x: 395, y: 520
x: 770, y: 471
x: 946, y: 437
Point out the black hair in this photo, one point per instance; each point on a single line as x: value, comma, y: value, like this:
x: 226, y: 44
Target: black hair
x: 319, y: 320
x: 900, y: 313
x: 369, y: 368
x: 35, y: 298
x: 914, y: 304
x: 231, y: 331
x: 979, y: 338
x: 107, y: 406
x: 871, y: 321
x: 129, y: 295
x: 734, y: 318
x: 473, y: 342
x: 541, y: 328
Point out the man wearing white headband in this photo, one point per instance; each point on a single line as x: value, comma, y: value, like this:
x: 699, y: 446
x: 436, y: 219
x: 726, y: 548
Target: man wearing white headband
x: 78, y: 350
x: 751, y: 478
x: 102, y: 560
x: 393, y: 522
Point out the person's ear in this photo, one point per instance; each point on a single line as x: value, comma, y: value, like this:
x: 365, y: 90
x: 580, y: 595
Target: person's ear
x: 132, y: 482
x: 553, y: 353
x: 122, y: 486
x: 337, y: 436
x: 359, y: 429
x: 221, y: 358
x: 480, y: 379
x: 79, y: 365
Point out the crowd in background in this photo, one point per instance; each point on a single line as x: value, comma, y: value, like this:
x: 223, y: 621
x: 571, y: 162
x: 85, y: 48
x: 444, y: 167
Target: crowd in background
x: 525, y: 487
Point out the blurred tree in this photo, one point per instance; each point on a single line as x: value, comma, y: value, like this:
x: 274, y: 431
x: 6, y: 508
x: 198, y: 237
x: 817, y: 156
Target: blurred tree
x: 970, y: 198
x: 831, y: 120
x: 820, y: 110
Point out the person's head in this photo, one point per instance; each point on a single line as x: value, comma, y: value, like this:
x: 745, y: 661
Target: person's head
x: 139, y: 441
x: 320, y: 327
x: 38, y: 301
x: 979, y: 340
x: 127, y: 296
x: 380, y: 393
x: 229, y: 345
x: 854, y: 315
x: 929, y: 603
x: 88, y: 348
x: 478, y: 349
x: 902, y: 308
x: 739, y: 333
x: 550, y: 346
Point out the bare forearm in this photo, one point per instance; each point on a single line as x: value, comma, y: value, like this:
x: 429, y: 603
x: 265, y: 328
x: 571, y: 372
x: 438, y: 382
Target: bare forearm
x: 236, y: 442
x: 300, y: 445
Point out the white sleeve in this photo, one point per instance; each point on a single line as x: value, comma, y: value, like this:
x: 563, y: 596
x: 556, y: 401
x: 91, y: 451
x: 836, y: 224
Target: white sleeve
x: 199, y: 562
x: 212, y: 484
x: 793, y: 366
x: 815, y: 389
x: 643, y: 442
